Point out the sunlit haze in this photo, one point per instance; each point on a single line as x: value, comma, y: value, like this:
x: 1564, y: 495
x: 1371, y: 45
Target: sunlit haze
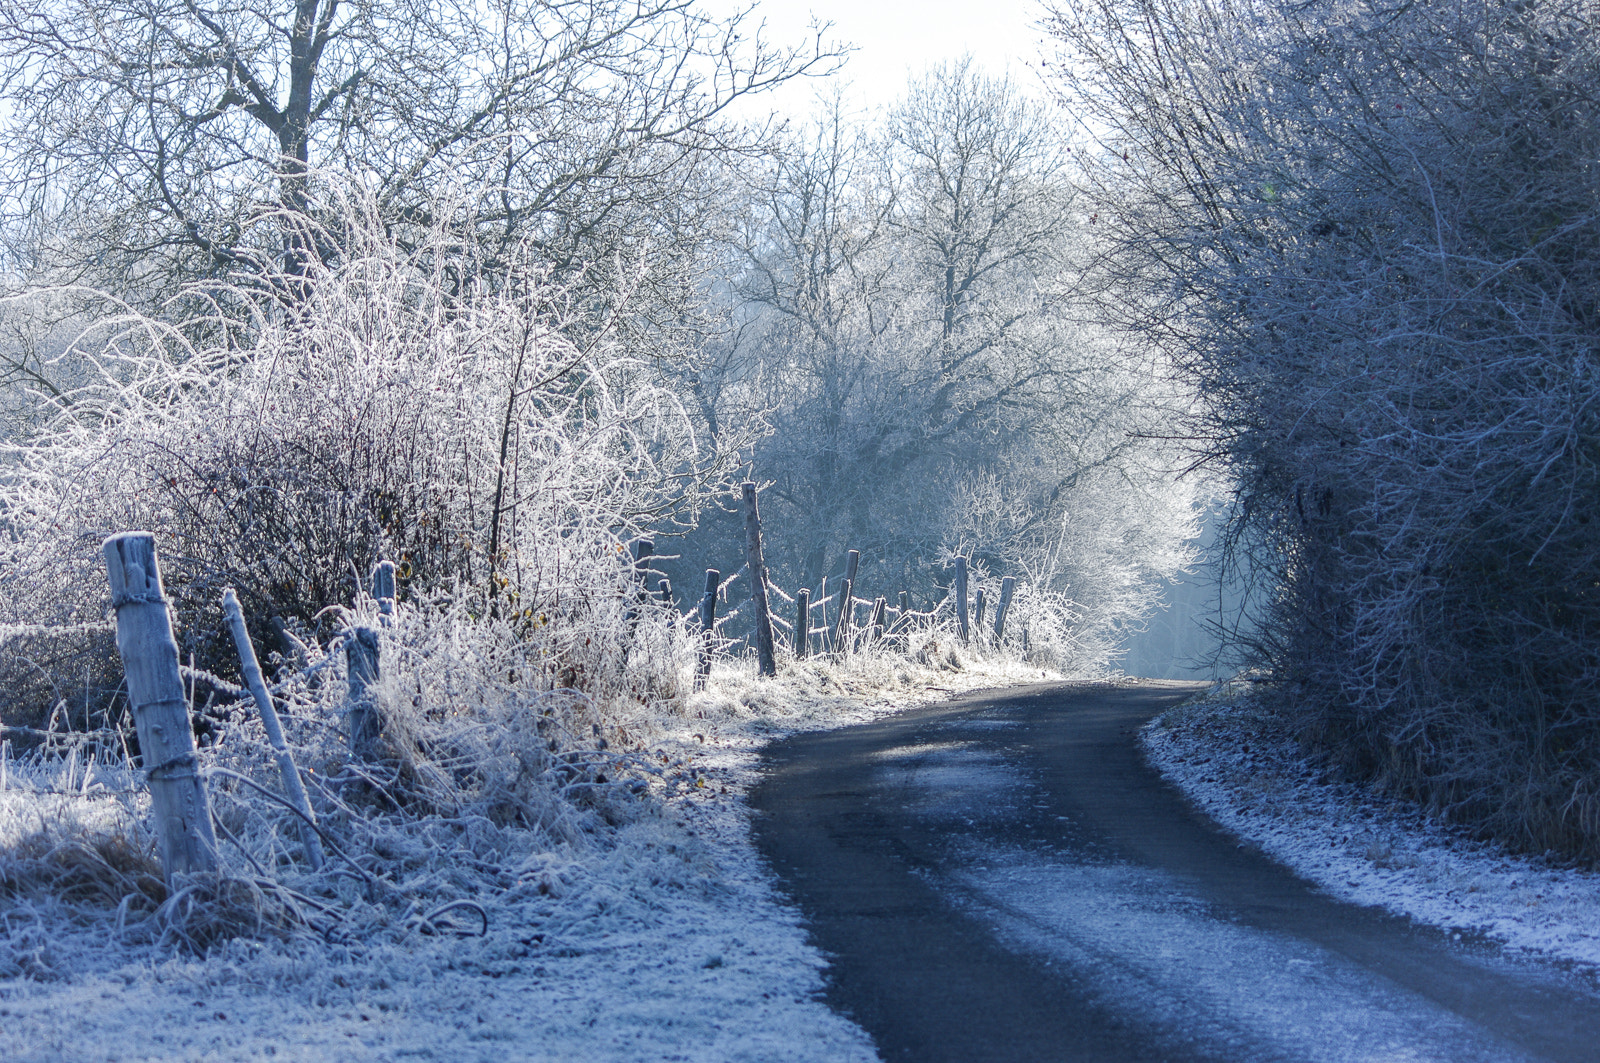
x: 895, y: 40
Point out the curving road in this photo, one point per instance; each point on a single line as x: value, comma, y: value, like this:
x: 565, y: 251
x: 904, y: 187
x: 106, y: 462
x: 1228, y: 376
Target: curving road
x: 1001, y: 877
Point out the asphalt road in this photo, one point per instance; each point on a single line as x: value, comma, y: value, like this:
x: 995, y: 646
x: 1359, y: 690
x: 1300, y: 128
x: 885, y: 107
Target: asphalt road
x: 1001, y: 877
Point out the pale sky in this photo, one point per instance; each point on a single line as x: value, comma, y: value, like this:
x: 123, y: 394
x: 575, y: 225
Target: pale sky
x: 895, y: 39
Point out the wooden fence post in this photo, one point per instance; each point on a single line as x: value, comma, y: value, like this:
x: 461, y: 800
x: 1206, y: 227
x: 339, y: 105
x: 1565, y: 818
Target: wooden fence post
x: 802, y: 622
x: 879, y: 607
x: 361, y: 657
x: 708, y: 625
x: 961, y: 598
x: 822, y: 610
x: 269, y: 720
x: 758, y: 581
x: 846, y: 598
x: 383, y: 590
x: 1008, y: 587
x: 187, y: 839
x: 665, y: 589
x: 977, y: 613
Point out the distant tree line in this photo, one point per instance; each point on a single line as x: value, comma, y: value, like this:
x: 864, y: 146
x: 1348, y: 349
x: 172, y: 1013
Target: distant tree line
x: 491, y: 291
x: 910, y: 321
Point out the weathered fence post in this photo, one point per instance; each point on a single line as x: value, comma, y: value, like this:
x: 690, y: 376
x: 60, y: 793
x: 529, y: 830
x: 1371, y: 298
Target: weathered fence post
x: 758, y: 581
x: 879, y: 607
x: 961, y: 598
x: 802, y: 622
x: 251, y: 667
x: 977, y: 613
x: 708, y: 625
x: 383, y: 590
x: 665, y: 590
x: 361, y: 657
x: 187, y: 839
x: 1008, y: 586
x: 822, y: 611
x: 846, y: 598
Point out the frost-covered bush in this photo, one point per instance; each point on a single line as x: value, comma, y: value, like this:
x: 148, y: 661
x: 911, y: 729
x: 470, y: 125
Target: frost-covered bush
x: 508, y: 757
x: 402, y: 404
x: 406, y: 405
x: 1369, y: 235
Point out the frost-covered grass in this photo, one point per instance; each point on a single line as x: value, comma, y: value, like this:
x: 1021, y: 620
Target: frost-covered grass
x: 651, y: 933
x: 1225, y: 753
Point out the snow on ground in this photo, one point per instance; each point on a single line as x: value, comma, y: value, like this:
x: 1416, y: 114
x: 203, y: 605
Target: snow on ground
x: 669, y: 943
x: 1224, y: 753
x: 1151, y: 949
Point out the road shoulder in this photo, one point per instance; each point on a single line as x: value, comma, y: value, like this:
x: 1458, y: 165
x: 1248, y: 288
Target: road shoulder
x: 1225, y: 755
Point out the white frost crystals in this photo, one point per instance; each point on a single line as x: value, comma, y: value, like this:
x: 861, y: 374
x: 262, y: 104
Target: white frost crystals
x: 1225, y: 755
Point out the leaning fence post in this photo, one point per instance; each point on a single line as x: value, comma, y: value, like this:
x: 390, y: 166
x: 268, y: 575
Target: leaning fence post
x: 178, y: 799
x: 1007, y: 587
x: 961, y: 598
x: 269, y: 720
x: 802, y: 622
x: 708, y: 625
x: 361, y: 657
x: 758, y: 581
x: 879, y: 607
x: 846, y: 597
x: 383, y: 590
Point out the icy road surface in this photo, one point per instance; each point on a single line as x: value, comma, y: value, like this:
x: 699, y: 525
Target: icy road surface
x: 1003, y: 878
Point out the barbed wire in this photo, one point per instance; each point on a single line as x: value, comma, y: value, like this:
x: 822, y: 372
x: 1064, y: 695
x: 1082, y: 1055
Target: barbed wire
x: 22, y: 631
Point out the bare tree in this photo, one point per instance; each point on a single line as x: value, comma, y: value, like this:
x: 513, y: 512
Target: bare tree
x: 911, y: 332
x: 152, y: 141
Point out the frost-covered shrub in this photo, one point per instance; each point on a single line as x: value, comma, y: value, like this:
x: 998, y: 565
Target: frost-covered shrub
x: 401, y: 403
x: 495, y: 783
x: 1369, y: 236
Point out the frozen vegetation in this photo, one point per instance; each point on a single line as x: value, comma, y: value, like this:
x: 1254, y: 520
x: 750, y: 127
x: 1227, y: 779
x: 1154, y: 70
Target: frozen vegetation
x: 1236, y: 762
x: 654, y: 936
